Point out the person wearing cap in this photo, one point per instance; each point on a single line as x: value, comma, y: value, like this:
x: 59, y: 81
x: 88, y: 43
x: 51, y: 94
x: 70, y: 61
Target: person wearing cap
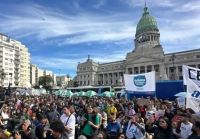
x: 135, y: 128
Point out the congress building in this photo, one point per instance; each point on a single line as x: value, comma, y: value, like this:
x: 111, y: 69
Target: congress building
x: 148, y: 55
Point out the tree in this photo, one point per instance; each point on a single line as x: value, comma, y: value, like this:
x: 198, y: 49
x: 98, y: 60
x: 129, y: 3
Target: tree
x: 46, y: 81
x: 75, y: 84
x: 68, y: 76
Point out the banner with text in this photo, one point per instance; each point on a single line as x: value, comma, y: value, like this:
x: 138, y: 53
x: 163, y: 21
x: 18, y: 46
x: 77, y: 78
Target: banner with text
x: 141, y: 82
x: 191, y: 78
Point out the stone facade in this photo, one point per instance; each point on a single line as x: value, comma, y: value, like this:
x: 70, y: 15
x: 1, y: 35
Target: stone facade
x: 148, y: 55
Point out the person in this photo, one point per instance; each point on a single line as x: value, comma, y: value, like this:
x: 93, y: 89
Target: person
x: 24, y: 131
x: 40, y: 131
x: 163, y: 129
x: 135, y: 128
x: 196, y: 134
x: 53, y: 114
x: 114, y: 128
x: 100, y: 135
x: 121, y: 136
x: 57, y: 130
x: 185, y: 128
x: 5, y: 115
x: 3, y: 135
x: 90, y: 123
x: 104, y: 119
x: 69, y: 121
x: 111, y: 110
x: 130, y: 110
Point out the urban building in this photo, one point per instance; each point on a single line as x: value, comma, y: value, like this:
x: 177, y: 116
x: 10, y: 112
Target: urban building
x: 147, y: 55
x: 39, y: 73
x: 14, y: 63
x: 63, y: 81
x: 50, y: 73
x: 36, y: 73
x: 33, y: 69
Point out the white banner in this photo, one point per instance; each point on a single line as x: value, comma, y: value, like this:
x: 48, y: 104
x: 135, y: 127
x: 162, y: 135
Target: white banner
x: 140, y: 82
x: 191, y: 78
x: 191, y: 74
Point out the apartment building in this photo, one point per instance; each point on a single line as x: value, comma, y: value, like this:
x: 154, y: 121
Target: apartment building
x: 14, y: 63
x: 36, y: 73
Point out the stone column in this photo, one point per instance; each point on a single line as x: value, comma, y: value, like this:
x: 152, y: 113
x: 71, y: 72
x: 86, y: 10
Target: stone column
x: 103, y: 79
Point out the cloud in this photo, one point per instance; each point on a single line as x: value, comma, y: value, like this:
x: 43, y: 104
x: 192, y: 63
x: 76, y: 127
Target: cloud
x: 44, y: 23
x: 189, y: 6
x: 100, y: 36
x: 67, y: 64
x: 52, y: 62
x: 99, y: 3
x: 155, y: 3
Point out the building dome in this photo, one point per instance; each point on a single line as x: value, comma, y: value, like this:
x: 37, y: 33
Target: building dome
x: 146, y: 23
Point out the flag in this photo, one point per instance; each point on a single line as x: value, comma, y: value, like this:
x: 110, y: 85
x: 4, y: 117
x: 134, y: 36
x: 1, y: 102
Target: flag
x: 191, y: 78
x: 141, y: 82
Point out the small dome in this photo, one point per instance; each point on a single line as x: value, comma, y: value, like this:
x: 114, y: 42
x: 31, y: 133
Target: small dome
x: 146, y: 23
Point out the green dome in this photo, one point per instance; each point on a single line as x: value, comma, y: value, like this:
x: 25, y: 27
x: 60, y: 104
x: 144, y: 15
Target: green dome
x: 147, y: 22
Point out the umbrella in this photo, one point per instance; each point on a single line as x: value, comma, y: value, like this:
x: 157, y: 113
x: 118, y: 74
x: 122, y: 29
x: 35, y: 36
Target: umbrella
x: 59, y: 93
x: 68, y: 93
x: 82, y: 93
x: 42, y: 91
x: 181, y: 94
x: 108, y: 94
x: 90, y: 93
x: 75, y: 94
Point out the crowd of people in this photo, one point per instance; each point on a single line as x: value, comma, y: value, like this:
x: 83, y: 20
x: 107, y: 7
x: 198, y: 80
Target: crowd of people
x: 53, y: 117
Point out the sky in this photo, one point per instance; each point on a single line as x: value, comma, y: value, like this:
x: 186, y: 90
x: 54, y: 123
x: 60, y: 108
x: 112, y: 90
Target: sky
x: 61, y: 33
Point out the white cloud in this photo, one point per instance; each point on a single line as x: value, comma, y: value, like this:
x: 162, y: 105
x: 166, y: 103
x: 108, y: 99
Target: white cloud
x: 67, y: 64
x: 155, y: 3
x: 99, y: 3
x: 189, y: 6
x: 49, y: 23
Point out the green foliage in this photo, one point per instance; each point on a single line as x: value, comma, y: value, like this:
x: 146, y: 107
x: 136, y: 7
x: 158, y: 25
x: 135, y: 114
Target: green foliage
x: 46, y: 81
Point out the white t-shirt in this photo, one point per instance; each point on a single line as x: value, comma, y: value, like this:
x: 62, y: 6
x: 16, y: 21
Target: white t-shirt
x: 4, y: 116
x: 133, y: 131
x: 71, y: 122
x: 185, y: 130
